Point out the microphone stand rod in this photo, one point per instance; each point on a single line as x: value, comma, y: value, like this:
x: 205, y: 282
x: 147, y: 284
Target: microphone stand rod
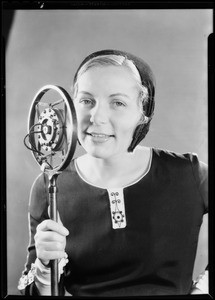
x: 53, y: 215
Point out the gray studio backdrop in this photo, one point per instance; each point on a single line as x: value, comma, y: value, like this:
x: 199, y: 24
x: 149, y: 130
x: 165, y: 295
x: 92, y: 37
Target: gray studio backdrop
x: 46, y: 47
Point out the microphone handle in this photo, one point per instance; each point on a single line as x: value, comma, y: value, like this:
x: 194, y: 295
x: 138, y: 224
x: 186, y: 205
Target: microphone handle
x: 53, y: 216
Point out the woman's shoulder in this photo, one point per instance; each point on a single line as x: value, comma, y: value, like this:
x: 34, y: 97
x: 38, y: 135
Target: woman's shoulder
x: 170, y: 155
x: 175, y: 160
x: 184, y: 167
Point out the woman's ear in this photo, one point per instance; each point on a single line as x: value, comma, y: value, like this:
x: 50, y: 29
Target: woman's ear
x: 146, y: 120
x: 143, y: 120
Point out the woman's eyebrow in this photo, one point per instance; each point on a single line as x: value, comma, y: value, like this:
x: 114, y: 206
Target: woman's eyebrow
x: 85, y: 93
x: 110, y: 96
x: 119, y: 94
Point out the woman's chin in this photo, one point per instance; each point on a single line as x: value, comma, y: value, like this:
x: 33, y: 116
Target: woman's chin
x: 98, y: 153
x: 99, y: 149
x: 104, y: 150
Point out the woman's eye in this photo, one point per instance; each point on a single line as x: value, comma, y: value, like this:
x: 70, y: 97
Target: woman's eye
x: 118, y: 103
x: 86, y: 101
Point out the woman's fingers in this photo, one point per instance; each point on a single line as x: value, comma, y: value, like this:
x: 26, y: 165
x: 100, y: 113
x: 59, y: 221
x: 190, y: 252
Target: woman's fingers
x: 46, y: 256
x: 49, y: 236
x: 55, y: 245
x: 50, y: 240
x: 50, y: 225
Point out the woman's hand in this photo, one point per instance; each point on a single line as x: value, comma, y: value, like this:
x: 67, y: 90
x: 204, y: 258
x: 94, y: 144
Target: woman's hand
x: 50, y: 240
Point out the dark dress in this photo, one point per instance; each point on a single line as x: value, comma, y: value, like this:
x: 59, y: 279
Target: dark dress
x: 153, y: 254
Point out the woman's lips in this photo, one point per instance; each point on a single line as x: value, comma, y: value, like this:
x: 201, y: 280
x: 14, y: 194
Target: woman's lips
x: 96, y: 134
x: 99, y: 137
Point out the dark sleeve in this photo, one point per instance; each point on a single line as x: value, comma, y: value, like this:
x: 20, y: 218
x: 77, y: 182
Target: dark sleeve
x: 38, y: 211
x: 200, y: 172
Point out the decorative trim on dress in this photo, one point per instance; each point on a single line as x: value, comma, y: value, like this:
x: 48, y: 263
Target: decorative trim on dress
x: 117, y: 208
x: 27, y: 279
x: 41, y: 273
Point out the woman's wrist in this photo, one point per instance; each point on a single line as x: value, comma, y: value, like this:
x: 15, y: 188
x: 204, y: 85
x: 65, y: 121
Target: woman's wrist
x: 45, y: 263
x: 42, y: 270
x: 43, y: 273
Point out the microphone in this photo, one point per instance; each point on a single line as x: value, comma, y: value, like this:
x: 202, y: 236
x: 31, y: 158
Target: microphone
x: 52, y: 129
x: 52, y: 139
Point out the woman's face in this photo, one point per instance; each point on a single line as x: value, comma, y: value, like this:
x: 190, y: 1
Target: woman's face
x: 107, y: 110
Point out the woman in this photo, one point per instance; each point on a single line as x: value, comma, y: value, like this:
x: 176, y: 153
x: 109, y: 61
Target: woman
x: 129, y: 216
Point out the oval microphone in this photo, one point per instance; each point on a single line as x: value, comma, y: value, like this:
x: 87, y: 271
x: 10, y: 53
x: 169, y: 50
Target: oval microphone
x: 52, y: 139
x: 52, y: 129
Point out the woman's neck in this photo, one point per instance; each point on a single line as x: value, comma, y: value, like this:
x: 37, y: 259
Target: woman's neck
x: 114, y: 165
x: 115, y: 171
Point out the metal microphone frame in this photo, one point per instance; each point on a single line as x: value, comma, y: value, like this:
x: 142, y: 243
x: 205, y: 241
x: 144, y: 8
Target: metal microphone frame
x: 52, y: 137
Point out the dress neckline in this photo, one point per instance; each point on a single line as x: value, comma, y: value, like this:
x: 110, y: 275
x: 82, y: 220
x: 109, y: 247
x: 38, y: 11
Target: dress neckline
x: 121, y: 187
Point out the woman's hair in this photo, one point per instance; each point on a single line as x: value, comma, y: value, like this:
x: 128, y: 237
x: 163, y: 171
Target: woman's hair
x: 114, y: 60
x: 145, y: 96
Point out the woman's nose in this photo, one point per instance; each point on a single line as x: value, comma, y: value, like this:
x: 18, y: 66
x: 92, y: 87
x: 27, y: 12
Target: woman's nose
x: 99, y: 114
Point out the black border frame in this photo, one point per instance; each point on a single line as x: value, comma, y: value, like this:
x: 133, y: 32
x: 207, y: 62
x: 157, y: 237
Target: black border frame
x: 7, y: 11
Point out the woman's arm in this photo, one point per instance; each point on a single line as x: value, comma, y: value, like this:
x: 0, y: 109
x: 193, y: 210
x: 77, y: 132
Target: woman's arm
x: 26, y: 284
x: 200, y: 273
x: 38, y: 211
